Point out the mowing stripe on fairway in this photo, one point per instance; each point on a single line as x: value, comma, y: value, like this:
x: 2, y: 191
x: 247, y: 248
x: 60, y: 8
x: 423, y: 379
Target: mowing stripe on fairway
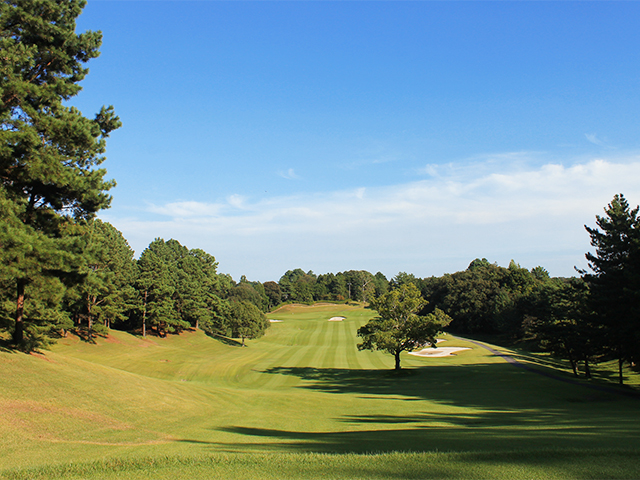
x: 303, y: 387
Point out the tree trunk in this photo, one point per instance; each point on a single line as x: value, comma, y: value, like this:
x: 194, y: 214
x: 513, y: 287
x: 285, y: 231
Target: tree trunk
x: 573, y: 366
x: 243, y: 341
x: 18, y: 333
x: 587, y: 369
x: 573, y: 361
x: 397, y: 355
x: 621, y: 379
x: 89, y: 318
x: 144, y: 315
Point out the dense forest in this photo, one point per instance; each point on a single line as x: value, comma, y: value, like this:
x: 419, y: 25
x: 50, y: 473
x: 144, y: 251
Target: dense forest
x: 63, y: 270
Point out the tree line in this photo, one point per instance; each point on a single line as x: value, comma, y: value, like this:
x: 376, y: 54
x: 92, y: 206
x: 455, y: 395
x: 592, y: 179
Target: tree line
x: 170, y: 288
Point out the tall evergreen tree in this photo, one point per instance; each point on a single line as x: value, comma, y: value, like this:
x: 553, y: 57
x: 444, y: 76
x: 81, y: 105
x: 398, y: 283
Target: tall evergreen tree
x: 615, y: 281
x: 157, y: 286
x: 381, y: 284
x: 180, y: 288
x: 48, y: 150
x: 565, y: 324
x: 199, y: 291
x: 106, y: 291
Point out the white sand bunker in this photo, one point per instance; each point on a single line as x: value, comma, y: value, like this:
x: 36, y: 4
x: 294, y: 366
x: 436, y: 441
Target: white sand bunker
x: 337, y: 319
x: 438, y: 352
x: 275, y: 321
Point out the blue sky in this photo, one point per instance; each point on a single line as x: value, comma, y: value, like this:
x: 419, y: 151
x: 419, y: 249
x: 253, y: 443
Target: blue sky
x: 386, y: 136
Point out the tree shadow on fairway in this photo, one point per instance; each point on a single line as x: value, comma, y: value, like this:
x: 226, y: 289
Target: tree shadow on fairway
x: 487, y: 386
x: 226, y: 340
x: 473, y: 437
x: 474, y: 407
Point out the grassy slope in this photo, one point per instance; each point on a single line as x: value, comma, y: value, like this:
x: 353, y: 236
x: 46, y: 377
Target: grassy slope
x: 189, y: 405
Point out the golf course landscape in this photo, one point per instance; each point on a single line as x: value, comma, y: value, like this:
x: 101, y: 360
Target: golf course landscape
x: 303, y: 402
x: 481, y: 150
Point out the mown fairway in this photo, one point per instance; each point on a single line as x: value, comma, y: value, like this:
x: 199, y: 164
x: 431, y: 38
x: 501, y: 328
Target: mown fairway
x: 196, y: 407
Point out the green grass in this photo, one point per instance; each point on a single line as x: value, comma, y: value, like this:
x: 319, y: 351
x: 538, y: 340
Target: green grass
x: 302, y: 402
x: 547, y: 464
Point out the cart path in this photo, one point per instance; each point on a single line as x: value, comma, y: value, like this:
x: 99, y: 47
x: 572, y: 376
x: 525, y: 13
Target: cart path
x: 573, y: 381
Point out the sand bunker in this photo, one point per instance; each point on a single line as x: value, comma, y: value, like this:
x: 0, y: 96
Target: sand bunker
x: 275, y: 321
x: 438, y: 352
x: 337, y: 319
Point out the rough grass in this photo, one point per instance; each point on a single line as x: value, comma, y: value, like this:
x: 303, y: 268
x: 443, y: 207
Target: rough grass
x: 302, y: 402
x: 549, y: 464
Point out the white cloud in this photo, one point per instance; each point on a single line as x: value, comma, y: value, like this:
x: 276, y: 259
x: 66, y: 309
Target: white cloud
x: 237, y: 201
x: 594, y: 139
x: 371, y: 160
x: 429, y: 169
x: 534, y: 215
x: 186, y: 209
x: 289, y: 174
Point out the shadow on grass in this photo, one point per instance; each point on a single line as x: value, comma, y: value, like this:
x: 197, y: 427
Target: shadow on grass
x: 553, y: 365
x: 83, y: 334
x: 553, y: 371
x: 484, y: 407
x: 472, y: 437
x: 227, y: 341
x: 495, y: 385
x: 6, y: 346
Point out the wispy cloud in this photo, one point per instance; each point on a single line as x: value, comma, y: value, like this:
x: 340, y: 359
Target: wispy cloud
x: 595, y: 140
x: 484, y: 164
x: 237, y: 201
x: 534, y: 215
x: 370, y: 160
x: 199, y: 210
x: 289, y: 174
x: 186, y: 209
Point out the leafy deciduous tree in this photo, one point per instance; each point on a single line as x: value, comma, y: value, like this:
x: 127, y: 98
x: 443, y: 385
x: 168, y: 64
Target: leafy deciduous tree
x: 398, y: 328
x: 247, y: 321
x: 274, y: 293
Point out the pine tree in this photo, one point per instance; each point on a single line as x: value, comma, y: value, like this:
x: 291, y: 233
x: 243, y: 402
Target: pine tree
x: 566, y: 325
x: 106, y: 291
x: 615, y: 281
x: 157, y: 286
x: 201, y: 291
x: 48, y: 151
